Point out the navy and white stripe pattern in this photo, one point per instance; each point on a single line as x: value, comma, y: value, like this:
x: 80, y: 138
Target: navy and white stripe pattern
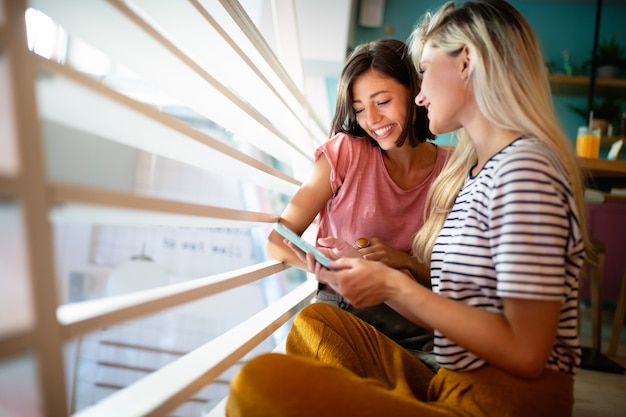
x: 513, y: 232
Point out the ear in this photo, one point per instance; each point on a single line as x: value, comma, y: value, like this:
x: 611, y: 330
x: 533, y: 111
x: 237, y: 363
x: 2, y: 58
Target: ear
x: 464, y: 61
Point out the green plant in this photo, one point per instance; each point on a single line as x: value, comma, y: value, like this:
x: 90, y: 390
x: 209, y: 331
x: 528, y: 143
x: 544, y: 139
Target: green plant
x: 608, y: 109
x: 610, y: 52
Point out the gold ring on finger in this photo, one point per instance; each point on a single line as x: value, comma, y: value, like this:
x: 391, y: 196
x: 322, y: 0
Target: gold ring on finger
x: 362, y: 242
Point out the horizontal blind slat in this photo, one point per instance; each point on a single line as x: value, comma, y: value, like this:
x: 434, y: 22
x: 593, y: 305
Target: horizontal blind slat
x: 70, y: 197
x: 249, y: 29
x: 81, y: 317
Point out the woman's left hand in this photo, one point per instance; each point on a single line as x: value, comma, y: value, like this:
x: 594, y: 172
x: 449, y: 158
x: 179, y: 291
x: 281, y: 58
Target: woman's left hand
x: 377, y: 250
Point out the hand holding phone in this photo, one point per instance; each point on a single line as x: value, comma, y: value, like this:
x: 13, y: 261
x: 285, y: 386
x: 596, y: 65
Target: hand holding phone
x: 302, y: 244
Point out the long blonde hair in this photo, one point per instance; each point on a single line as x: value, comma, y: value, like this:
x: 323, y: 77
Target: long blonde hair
x: 511, y: 88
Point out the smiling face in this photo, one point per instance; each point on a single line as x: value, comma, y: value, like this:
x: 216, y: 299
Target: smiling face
x: 381, y: 105
x: 444, y: 90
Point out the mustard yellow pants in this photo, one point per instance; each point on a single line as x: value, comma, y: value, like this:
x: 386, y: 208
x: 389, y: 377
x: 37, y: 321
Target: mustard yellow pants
x: 338, y: 365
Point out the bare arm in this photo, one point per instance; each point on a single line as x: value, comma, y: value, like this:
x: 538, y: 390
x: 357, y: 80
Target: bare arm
x: 301, y: 211
x: 519, y: 340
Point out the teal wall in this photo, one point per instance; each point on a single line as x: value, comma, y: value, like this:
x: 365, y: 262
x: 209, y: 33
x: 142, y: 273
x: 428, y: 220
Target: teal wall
x: 559, y: 26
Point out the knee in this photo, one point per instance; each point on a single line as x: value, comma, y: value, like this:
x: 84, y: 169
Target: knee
x: 309, y: 327
x: 247, y: 388
x: 256, y: 369
x: 312, y: 319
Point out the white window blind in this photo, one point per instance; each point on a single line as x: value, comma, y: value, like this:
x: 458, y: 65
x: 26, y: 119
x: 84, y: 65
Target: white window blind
x: 145, y: 149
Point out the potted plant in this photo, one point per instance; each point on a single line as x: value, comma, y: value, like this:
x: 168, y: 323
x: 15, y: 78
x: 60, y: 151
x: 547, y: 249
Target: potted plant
x: 610, y: 58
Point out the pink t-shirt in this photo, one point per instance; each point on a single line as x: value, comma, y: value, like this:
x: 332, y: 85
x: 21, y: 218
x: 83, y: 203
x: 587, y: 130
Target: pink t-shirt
x: 366, y: 202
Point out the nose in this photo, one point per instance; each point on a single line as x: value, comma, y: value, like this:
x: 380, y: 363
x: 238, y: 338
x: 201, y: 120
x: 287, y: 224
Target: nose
x: 373, y: 116
x: 419, y: 99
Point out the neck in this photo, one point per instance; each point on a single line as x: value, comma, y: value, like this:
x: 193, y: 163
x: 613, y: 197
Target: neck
x: 489, y: 140
x: 406, y: 156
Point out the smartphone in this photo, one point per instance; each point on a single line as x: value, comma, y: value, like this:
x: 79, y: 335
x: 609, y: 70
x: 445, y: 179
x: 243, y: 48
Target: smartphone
x: 302, y: 244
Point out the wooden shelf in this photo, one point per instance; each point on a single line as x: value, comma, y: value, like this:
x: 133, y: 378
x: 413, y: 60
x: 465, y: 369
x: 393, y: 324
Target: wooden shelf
x: 610, y: 140
x: 575, y: 85
x: 603, y: 168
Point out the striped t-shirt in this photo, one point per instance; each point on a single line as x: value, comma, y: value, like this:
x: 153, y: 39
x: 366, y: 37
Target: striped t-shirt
x: 513, y: 232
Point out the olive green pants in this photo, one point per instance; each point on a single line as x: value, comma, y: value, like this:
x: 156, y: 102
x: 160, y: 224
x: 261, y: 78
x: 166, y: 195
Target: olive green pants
x: 338, y: 365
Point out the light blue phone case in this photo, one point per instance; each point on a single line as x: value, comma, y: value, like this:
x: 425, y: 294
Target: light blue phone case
x: 302, y: 244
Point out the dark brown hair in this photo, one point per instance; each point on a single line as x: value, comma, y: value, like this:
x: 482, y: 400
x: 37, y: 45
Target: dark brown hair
x: 389, y: 57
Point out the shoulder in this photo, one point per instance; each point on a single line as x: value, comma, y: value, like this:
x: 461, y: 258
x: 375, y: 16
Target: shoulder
x: 344, y: 144
x: 529, y: 157
x: 531, y: 170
